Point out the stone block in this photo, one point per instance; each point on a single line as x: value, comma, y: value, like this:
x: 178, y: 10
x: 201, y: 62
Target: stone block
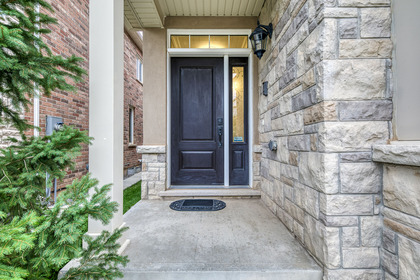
x: 347, y: 28
x: 149, y: 149
x: 309, y: 52
x: 304, y: 99
x: 282, y: 150
x: 275, y: 112
x: 390, y: 263
x: 363, y: 3
x: 299, y: 142
x: 333, y: 12
x: 332, y: 247
x: 329, y: 37
x: 354, y: 79
x: 360, y: 177
x: 338, y: 221
x: 274, y: 169
x: 294, y: 211
x: 314, y: 142
x: 293, y: 158
x: 402, y: 229
x: 324, y: 111
x: 401, y: 189
x: 356, y: 157
x: 402, y: 218
x: 360, y: 257
x: 388, y: 276
x: 404, y: 154
x: 298, y: 230
x: 314, y: 237
x: 353, y: 274
x: 375, y: 23
x: 292, y: 123
x: 351, y: 136
x: 307, y: 199
x: 285, y: 104
x: 409, y: 258
x: 346, y: 204
x: 365, y: 48
x: 278, y: 196
x: 380, y: 110
x: 350, y: 237
x: 389, y: 240
x: 289, y: 171
x: 295, y: 41
x: 319, y: 171
x: 308, y: 79
x: 371, y: 231
x: 150, y: 176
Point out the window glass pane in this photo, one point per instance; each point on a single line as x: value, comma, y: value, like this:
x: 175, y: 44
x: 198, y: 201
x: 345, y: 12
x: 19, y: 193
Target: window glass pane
x: 240, y: 42
x: 131, y: 125
x: 238, y: 131
x: 200, y: 42
x: 180, y: 41
x: 219, y: 42
x: 139, y: 70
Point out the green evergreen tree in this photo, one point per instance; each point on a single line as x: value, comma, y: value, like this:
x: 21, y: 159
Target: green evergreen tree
x: 36, y: 241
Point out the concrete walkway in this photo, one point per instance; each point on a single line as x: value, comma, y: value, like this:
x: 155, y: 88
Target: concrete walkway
x: 131, y: 180
x: 243, y: 241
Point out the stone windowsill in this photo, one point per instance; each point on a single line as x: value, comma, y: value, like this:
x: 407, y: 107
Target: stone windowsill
x: 398, y: 152
x: 151, y: 149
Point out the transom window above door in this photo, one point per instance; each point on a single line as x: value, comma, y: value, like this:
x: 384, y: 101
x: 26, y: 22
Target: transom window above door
x: 209, y: 41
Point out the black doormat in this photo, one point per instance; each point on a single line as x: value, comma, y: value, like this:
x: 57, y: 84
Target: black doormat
x: 197, y: 205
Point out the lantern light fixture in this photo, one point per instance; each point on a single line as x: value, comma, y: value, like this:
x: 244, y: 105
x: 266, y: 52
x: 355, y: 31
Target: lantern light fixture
x: 258, y: 38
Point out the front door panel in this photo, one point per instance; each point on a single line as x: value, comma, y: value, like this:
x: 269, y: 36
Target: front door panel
x: 196, y: 108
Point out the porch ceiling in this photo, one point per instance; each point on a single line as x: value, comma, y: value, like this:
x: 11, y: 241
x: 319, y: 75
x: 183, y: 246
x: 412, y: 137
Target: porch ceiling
x: 151, y: 13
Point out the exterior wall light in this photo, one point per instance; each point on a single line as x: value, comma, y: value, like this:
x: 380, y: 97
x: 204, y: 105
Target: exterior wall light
x: 258, y: 38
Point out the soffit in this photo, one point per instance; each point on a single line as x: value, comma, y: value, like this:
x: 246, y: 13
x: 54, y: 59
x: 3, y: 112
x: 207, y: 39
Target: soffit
x: 151, y: 13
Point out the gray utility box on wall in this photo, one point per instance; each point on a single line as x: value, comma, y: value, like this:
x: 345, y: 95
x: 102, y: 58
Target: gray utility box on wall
x: 53, y: 123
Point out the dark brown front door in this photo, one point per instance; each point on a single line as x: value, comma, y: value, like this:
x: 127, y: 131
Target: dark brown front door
x: 197, y: 121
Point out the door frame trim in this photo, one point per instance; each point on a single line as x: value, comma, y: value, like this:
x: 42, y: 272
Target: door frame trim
x: 225, y: 53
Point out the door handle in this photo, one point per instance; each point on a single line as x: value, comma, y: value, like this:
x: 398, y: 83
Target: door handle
x: 220, y: 136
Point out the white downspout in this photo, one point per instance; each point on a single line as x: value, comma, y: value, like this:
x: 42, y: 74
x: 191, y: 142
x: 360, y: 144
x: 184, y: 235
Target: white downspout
x: 36, y: 93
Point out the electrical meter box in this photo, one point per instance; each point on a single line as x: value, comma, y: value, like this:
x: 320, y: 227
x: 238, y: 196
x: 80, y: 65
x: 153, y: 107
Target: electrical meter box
x: 53, y: 123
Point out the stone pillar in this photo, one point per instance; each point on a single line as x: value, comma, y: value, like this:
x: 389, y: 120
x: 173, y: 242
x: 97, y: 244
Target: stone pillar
x: 106, y: 99
x: 153, y: 174
x: 328, y: 74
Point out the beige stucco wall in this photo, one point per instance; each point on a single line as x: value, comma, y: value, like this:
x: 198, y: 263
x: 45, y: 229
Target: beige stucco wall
x: 154, y: 89
x: 154, y: 96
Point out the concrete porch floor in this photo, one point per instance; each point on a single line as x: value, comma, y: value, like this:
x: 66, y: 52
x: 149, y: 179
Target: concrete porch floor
x: 243, y: 241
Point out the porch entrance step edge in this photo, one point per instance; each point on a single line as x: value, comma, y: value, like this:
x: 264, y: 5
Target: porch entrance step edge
x: 231, y: 275
x: 231, y: 193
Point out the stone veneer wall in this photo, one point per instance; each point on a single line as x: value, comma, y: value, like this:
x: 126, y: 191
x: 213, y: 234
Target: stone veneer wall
x: 329, y: 101
x: 153, y: 174
x: 401, y: 213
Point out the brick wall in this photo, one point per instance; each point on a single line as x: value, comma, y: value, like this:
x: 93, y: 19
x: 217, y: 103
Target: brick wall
x: 70, y: 36
x: 133, y: 97
x: 328, y: 103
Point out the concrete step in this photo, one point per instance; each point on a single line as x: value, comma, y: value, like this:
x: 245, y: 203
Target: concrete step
x: 210, y: 193
x: 224, y: 275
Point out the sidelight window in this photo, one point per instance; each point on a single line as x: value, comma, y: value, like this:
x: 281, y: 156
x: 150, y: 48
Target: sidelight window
x: 238, y: 100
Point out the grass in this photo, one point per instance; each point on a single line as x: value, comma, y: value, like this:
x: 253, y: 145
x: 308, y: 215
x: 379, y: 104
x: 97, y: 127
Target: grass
x: 132, y: 195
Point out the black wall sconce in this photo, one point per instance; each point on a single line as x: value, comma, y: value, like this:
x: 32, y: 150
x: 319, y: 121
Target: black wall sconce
x: 258, y: 38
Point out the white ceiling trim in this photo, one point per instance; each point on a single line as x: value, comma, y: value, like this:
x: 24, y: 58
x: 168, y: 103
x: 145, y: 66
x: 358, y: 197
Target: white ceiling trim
x: 151, y: 13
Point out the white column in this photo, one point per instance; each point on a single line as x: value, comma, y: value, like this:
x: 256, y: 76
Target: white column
x: 106, y: 101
